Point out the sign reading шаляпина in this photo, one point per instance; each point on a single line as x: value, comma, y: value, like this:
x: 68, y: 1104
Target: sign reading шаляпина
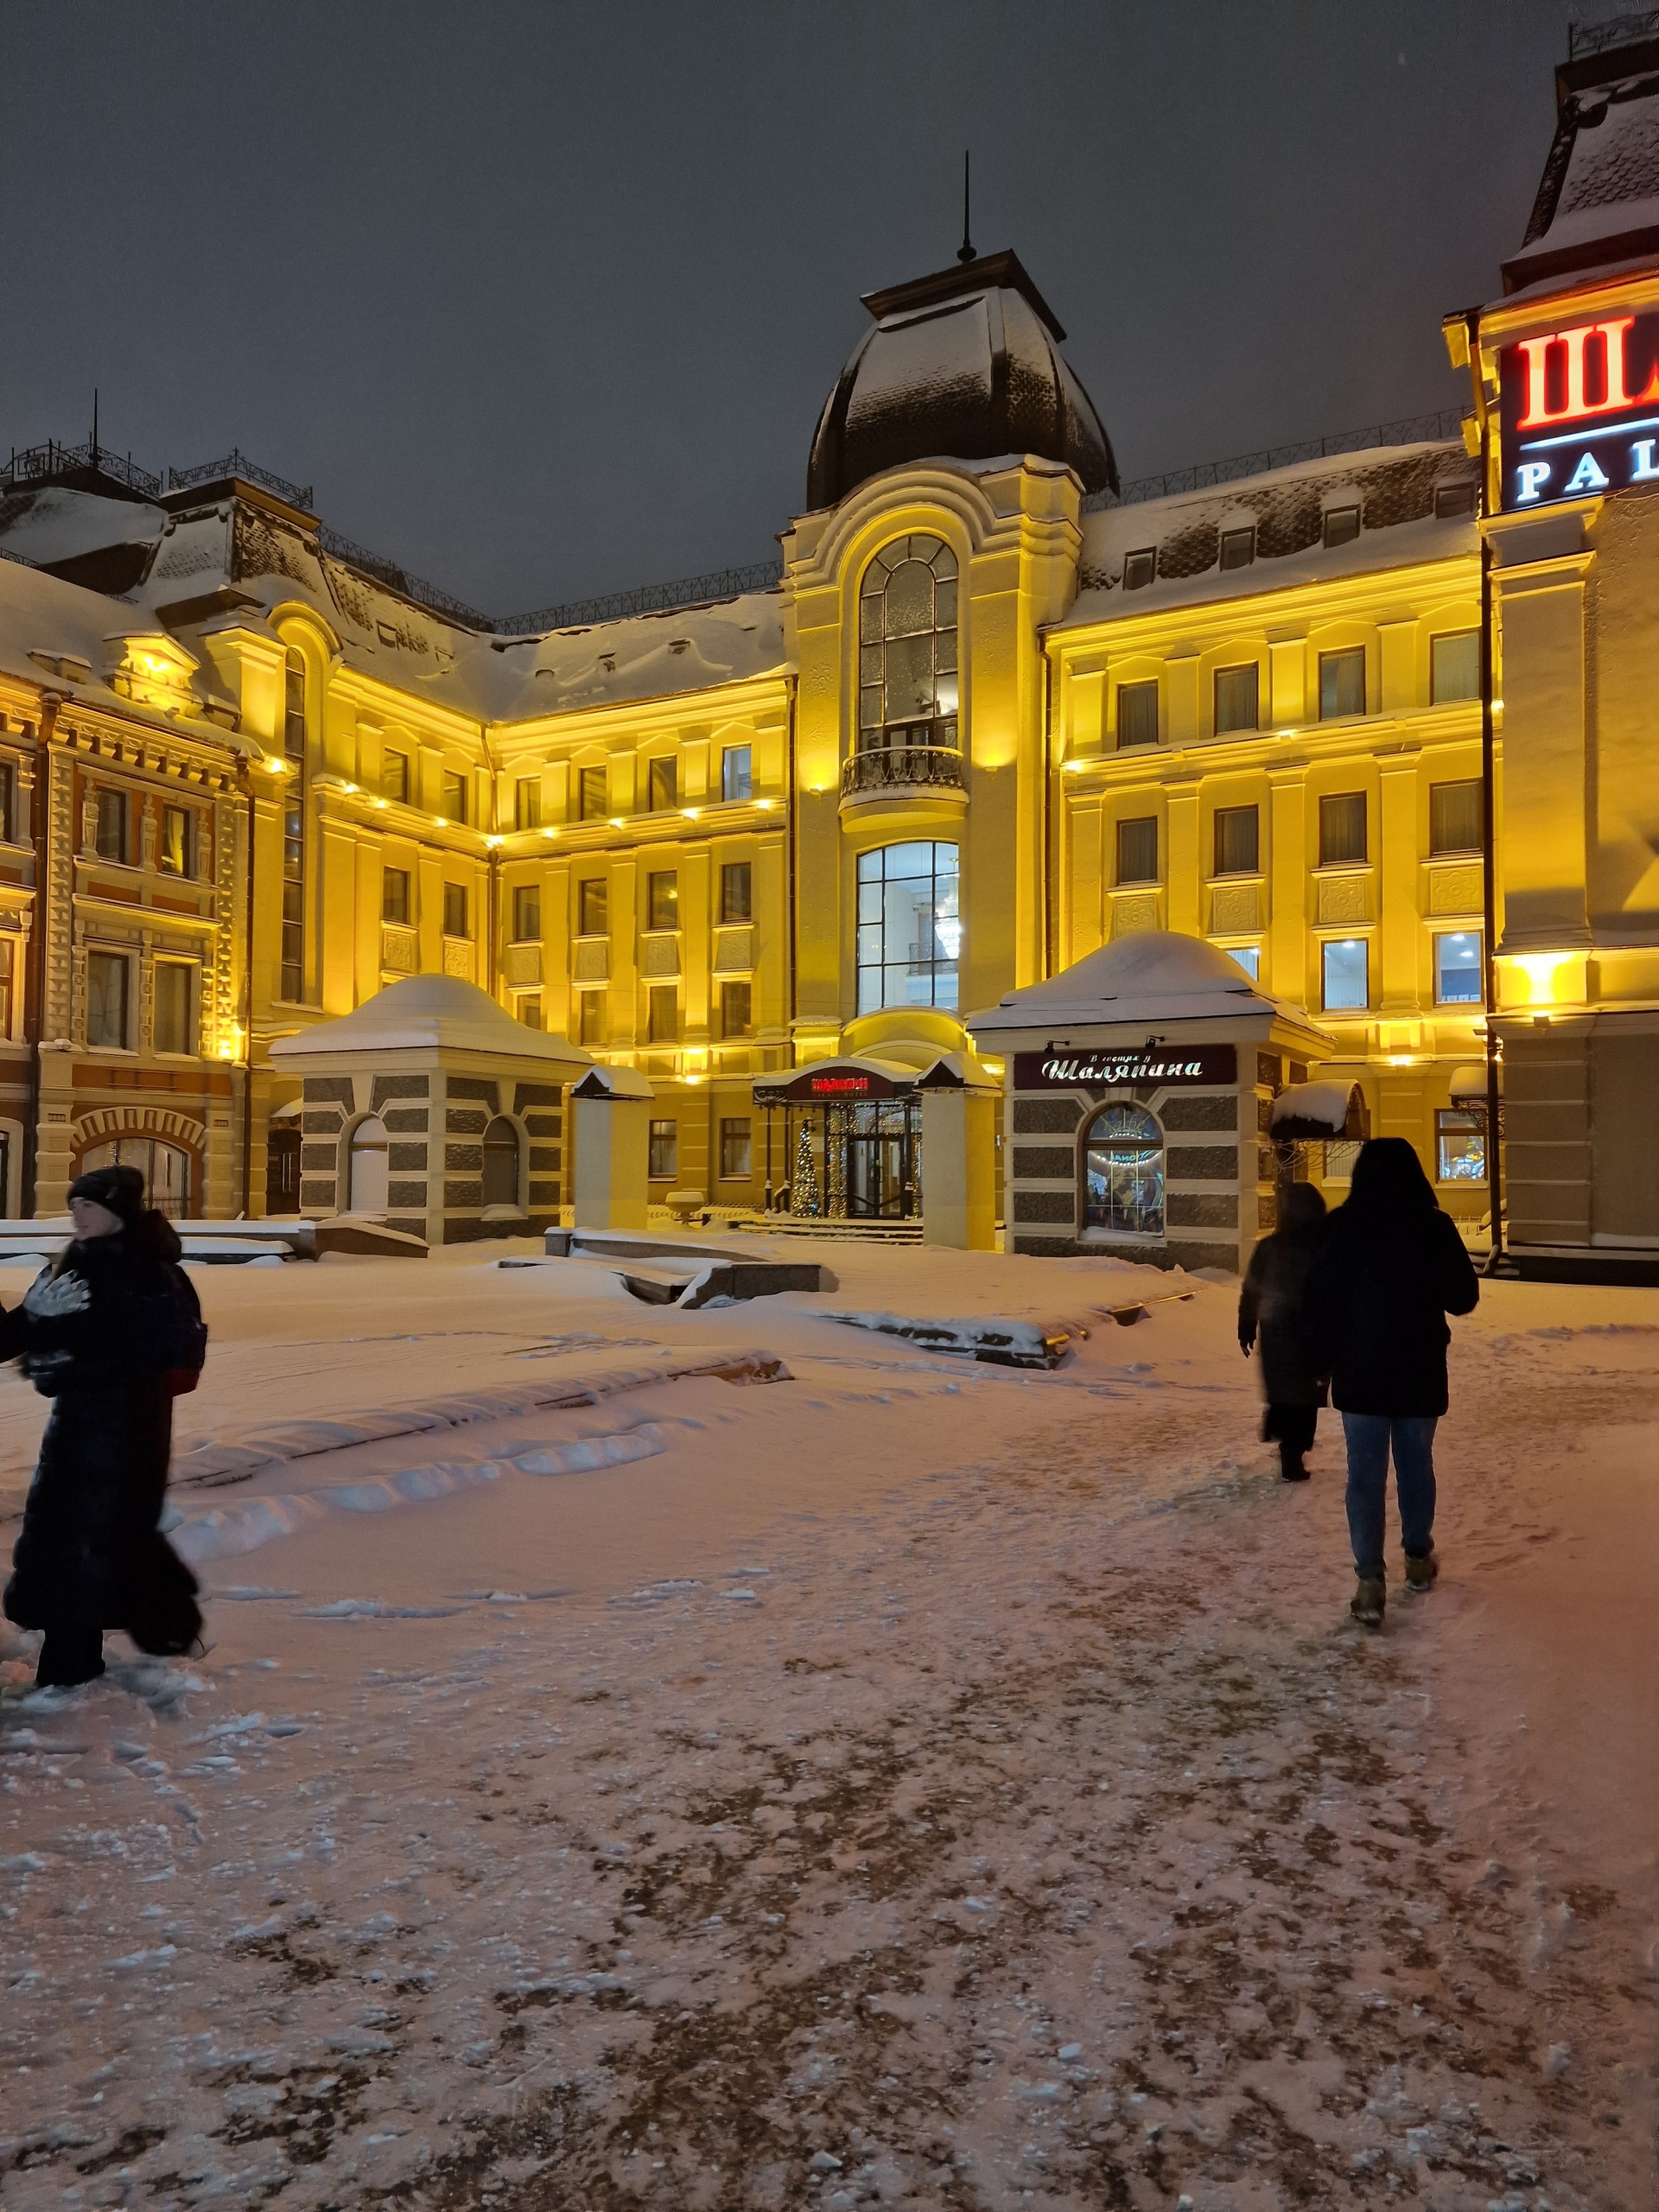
x: 1061, y: 1067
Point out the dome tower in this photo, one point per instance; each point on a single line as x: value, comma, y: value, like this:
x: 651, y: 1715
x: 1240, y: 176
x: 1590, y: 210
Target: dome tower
x: 963, y: 364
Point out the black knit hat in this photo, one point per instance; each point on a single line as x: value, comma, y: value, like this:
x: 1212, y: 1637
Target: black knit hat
x: 120, y: 1190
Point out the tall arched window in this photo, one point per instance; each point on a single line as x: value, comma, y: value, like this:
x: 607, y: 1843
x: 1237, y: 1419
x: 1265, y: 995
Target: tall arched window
x: 1123, y: 1173
x: 294, y: 831
x: 367, y: 1191
x: 907, y: 646
x: 500, y: 1164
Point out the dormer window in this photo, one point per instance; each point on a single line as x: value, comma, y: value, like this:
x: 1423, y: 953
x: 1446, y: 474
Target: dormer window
x: 1237, y: 548
x: 1341, y: 525
x: 907, y: 646
x: 1140, y: 569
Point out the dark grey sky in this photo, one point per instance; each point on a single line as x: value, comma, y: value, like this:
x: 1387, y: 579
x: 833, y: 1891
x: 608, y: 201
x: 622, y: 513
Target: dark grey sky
x: 545, y: 299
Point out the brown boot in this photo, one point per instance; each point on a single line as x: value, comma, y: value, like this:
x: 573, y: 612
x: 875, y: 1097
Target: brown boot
x: 1370, y: 1600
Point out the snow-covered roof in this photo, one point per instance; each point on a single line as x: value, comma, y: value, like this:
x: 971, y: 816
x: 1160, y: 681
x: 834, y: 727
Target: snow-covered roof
x: 232, y: 559
x: 64, y: 636
x: 56, y: 524
x: 1153, y: 975
x: 1597, y: 203
x: 966, y: 362
x: 1304, y: 1108
x: 428, y: 1014
x: 1394, y: 487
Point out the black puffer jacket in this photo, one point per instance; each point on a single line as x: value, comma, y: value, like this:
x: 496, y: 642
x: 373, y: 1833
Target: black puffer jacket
x: 1270, y: 1305
x: 96, y: 1334
x: 1376, y: 1302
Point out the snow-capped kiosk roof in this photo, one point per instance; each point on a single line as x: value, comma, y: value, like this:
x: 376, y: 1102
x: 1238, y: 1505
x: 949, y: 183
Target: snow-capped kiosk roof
x: 1154, y: 975
x: 429, y: 1014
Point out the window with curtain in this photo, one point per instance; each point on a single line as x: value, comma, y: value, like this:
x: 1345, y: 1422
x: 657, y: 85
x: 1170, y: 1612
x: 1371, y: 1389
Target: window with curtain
x: 1123, y: 1173
x: 664, y: 786
x: 909, y: 926
x: 1342, y: 840
x: 454, y: 910
x: 737, y: 1150
x: 908, y: 644
x: 1456, y: 814
x: 527, y: 803
x: 736, y: 903
x: 178, y: 852
x: 664, y: 1162
x: 1342, y: 684
x: 1236, y: 692
x: 394, y: 896
x: 592, y: 794
x: 1137, y: 714
x: 1454, y: 667
x: 109, y: 985
x: 110, y: 836
x: 526, y: 914
x: 1137, y: 850
x: 593, y: 906
x: 173, y: 1014
x: 663, y: 899
x: 734, y: 1010
x: 1237, y: 842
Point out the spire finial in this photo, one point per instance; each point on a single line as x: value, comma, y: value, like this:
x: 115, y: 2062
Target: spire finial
x: 965, y: 251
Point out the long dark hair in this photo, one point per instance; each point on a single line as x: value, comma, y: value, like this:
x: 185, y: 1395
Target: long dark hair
x: 1389, y: 1181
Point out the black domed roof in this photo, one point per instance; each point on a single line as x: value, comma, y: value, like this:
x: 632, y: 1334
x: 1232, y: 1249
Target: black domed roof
x: 967, y: 363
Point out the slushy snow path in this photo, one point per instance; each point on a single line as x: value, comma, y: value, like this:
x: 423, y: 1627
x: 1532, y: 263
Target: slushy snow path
x: 911, y: 1782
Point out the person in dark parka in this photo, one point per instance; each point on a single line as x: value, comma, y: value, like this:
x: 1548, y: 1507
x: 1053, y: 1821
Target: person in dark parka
x: 1377, y: 1300
x: 1270, y: 1315
x: 98, y: 1333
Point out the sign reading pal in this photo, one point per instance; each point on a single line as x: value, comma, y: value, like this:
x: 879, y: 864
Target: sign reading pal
x: 1580, y: 411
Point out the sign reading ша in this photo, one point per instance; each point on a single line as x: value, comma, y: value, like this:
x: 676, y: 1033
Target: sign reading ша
x: 1575, y: 405
x: 1060, y: 1068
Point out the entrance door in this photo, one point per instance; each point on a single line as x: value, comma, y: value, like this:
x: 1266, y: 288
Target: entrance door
x: 282, y: 1168
x: 165, y: 1168
x: 881, y: 1163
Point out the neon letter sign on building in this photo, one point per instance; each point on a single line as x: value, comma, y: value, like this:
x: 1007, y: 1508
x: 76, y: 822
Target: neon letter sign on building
x: 1571, y: 400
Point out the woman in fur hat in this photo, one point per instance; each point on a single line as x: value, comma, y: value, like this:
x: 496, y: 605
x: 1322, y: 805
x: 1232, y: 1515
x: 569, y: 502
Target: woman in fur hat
x: 103, y: 1332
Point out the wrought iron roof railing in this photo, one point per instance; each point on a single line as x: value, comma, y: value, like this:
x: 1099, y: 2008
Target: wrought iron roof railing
x: 236, y: 463
x: 1612, y: 31
x: 645, y: 599
x: 40, y: 464
x: 400, y: 579
x: 1410, y: 429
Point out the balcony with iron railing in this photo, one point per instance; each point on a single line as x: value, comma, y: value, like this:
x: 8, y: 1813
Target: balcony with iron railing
x: 912, y: 760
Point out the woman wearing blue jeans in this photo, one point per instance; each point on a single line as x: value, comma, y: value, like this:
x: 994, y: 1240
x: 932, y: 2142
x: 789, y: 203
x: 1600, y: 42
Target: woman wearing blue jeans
x: 1393, y: 1268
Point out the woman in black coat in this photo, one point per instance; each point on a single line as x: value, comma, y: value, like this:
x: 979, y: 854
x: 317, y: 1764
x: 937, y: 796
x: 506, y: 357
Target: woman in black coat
x: 1393, y: 1268
x: 99, y: 1332
x: 1270, y: 1310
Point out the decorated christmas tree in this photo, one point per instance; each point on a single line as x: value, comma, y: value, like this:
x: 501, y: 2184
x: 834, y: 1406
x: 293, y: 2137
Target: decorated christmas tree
x: 804, y: 1191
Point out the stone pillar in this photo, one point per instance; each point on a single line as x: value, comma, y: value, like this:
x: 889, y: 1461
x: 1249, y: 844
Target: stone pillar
x: 55, y: 1133
x: 611, y: 1110
x: 959, y: 1169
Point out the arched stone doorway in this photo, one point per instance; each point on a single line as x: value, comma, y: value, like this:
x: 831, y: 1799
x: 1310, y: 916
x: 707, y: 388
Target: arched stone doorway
x: 168, y: 1170
x: 367, y: 1188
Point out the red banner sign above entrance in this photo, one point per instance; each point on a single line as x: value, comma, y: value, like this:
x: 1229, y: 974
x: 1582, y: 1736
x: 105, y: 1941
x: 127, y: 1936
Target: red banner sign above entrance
x: 1061, y: 1068
x: 1580, y: 411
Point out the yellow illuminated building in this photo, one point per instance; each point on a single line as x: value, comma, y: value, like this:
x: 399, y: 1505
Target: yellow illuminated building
x: 991, y: 713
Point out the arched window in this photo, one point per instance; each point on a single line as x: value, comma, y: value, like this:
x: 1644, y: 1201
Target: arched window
x: 1123, y: 1173
x: 165, y: 1168
x: 907, y: 646
x: 366, y: 1191
x: 294, y: 830
x: 501, y: 1164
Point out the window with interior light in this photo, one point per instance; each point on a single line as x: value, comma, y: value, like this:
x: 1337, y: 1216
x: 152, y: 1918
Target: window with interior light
x: 177, y: 855
x: 1457, y: 980
x: 907, y: 646
x: 736, y: 772
x: 1123, y: 1173
x: 1345, y: 974
x: 909, y: 926
x: 663, y: 899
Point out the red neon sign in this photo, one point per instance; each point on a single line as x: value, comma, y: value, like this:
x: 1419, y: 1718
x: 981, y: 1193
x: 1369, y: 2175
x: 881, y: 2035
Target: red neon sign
x: 839, y: 1086
x: 1576, y: 404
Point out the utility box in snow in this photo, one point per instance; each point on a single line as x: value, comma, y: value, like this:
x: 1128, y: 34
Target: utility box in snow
x: 960, y: 1103
x: 611, y: 1109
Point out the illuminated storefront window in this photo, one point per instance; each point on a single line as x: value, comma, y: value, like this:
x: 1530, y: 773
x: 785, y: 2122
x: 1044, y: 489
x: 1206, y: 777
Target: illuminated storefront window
x: 1123, y: 1173
x: 909, y: 929
x: 1460, y: 1145
x: 1457, y: 968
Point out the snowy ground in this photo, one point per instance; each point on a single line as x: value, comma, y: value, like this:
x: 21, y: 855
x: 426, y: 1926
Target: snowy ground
x: 912, y: 1782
